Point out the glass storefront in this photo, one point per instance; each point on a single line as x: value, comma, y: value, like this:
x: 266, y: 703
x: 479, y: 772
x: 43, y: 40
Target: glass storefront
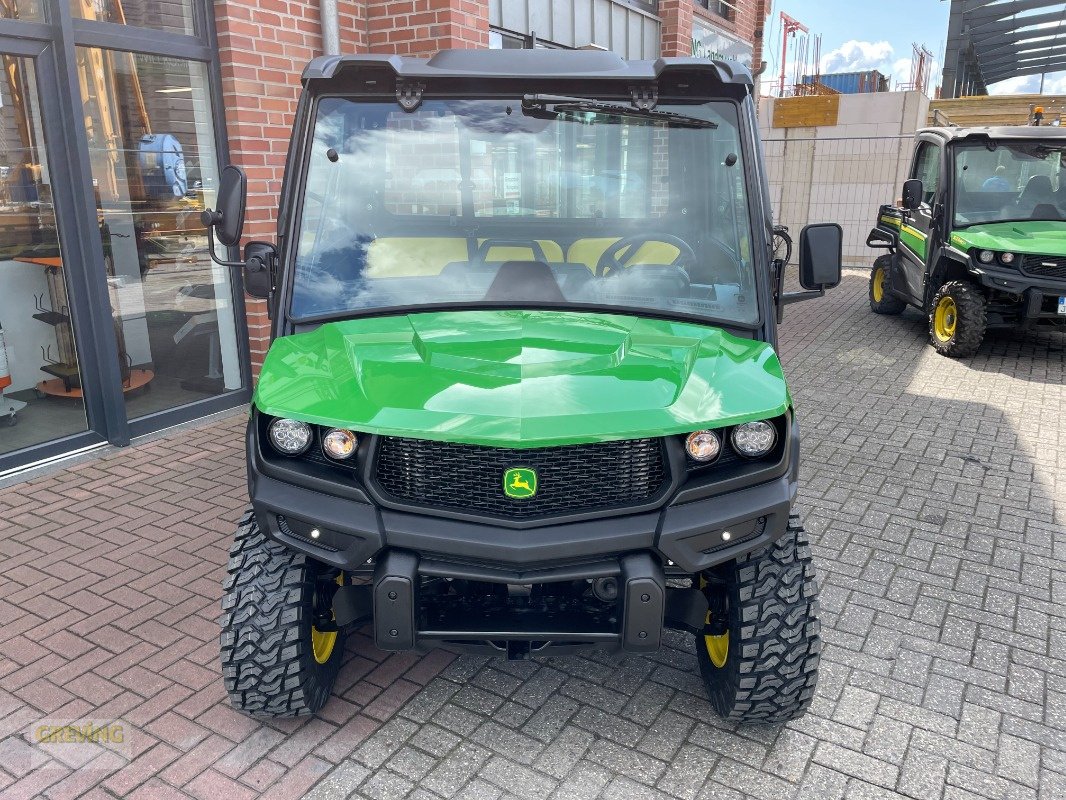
x: 114, y: 322
x: 154, y: 167
x: 38, y: 353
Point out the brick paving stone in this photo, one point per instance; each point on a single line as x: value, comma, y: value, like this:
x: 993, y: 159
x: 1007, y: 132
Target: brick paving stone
x: 934, y: 492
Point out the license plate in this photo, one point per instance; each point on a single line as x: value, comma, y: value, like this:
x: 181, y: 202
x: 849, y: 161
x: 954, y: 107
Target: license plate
x: 1062, y: 306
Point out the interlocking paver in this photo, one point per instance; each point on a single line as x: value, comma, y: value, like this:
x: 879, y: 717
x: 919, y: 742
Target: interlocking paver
x: 934, y: 493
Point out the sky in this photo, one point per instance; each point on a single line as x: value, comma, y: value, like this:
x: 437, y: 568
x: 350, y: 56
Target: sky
x: 877, y: 34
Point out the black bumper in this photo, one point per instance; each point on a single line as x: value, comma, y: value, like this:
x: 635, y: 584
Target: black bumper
x: 703, y: 525
x: 700, y: 528
x: 1040, y: 294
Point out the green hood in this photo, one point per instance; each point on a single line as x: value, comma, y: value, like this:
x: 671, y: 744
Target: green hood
x: 520, y: 378
x: 1028, y: 238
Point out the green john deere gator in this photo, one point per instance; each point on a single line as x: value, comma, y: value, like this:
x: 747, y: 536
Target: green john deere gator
x: 522, y: 396
x: 979, y: 238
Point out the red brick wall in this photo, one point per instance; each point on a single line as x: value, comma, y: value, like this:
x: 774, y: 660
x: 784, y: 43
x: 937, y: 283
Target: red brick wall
x: 678, y: 16
x: 263, y: 47
x: 422, y: 27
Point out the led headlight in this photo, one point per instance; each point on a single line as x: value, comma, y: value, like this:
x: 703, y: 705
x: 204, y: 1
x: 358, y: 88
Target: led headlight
x: 703, y: 446
x: 289, y: 437
x: 339, y: 443
x: 1006, y: 258
x: 754, y: 439
x: 986, y: 256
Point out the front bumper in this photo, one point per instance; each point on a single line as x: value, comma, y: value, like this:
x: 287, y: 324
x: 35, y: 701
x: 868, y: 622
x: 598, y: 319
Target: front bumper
x: 698, y: 529
x: 398, y: 557
x: 1039, y: 295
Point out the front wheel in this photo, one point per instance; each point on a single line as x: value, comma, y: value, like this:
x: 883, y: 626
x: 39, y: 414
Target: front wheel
x: 275, y: 661
x: 760, y: 650
x: 957, y: 320
x: 881, y: 302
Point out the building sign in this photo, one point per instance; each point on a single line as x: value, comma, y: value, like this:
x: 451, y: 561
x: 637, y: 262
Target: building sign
x: 710, y: 43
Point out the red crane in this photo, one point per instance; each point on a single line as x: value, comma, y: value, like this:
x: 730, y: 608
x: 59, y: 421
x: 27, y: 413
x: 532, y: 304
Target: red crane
x: 789, y: 27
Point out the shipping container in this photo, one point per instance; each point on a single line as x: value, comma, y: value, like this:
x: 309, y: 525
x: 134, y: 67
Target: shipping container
x: 869, y: 80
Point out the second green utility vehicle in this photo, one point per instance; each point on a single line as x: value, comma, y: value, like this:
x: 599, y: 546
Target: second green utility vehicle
x: 522, y: 396
x: 979, y: 238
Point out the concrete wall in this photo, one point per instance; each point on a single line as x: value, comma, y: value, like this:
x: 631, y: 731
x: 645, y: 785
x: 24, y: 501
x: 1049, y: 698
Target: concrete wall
x: 844, y: 172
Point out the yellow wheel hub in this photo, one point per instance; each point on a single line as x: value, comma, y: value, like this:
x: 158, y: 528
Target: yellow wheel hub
x: 322, y: 642
x: 878, y: 287
x: 945, y: 317
x: 717, y: 646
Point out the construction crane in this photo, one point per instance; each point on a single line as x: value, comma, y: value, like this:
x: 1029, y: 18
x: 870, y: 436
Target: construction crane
x: 789, y: 27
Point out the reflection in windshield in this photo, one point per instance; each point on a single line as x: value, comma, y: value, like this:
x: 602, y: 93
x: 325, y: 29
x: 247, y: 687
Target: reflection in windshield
x: 475, y: 202
x: 1006, y: 182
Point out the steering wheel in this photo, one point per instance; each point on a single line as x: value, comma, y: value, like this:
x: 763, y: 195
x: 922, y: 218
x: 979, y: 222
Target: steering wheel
x: 609, y: 262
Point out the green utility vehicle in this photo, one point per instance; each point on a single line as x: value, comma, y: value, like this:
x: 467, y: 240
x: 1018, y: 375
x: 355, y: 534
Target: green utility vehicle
x: 979, y: 238
x: 522, y: 396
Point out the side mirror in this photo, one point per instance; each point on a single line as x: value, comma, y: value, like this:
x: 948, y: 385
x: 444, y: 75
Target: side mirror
x: 227, y: 221
x: 259, y: 260
x: 912, y: 194
x: 821, y: 256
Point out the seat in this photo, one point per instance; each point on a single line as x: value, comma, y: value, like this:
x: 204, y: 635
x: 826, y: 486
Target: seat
x: 524, y: 281
x: 404, y: 257
x: 518, y: 252
x: 1037, y: 191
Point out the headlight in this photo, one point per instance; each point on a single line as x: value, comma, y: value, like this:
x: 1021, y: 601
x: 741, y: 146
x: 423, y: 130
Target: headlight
x: 1006, y: 258
x: 339, y: 443
x: 754, y: 439
x: 290, y: 437
x: 986, y: 256
x: 703, y: 446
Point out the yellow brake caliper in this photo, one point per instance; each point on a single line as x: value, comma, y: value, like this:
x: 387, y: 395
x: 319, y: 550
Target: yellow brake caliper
x: 322, y: 642
x: 717, y: 646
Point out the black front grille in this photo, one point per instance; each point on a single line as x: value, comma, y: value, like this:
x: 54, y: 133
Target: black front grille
x: 570, y: 480
x: 1045, y: 266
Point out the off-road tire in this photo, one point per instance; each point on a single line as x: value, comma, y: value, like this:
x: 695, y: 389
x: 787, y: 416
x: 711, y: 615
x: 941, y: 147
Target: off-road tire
x: 888, y: 304
x: 970, y: 324
x: 268, y: 663
x: 771, y: 596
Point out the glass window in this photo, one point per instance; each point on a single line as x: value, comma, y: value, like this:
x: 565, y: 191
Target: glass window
x: 427, y: 208
x: 40, y: 383
x: 726, y: 9
x: 154, y: 166
x: 29, y: 10
x: 927, y: 170
x: 169, y: 15
x: 1009, y: 182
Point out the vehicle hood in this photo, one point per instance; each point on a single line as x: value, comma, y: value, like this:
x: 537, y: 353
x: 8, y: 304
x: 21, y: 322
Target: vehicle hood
x: 1027, y: 238
x: 520, y: 378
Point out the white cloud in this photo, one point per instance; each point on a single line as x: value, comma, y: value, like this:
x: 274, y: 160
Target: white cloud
x: 1054, y: 83
x: 856, y: 56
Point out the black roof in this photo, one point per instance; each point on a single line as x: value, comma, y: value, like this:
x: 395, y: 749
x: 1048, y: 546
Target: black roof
x: 512, y: 64
x: 1020, y: 132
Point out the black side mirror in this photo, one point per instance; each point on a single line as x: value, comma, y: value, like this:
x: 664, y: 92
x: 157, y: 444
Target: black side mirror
x: 913, y: 192
x: 227, y: 221
x: 821, y: 256
x: 259, y: 260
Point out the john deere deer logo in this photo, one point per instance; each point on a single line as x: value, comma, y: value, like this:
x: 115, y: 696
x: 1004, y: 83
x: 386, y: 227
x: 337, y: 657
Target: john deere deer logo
x: 519, y: 483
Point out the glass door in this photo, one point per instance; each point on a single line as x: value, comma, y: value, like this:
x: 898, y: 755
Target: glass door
x: 41, y: 395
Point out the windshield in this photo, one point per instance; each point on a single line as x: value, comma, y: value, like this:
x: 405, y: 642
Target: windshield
x: 1009, y: 182
x: 558, y: 205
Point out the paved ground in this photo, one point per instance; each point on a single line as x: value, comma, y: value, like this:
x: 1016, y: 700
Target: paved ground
x: 934, y: 491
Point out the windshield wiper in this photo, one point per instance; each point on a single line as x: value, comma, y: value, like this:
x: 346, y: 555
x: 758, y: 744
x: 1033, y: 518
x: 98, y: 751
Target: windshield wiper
x: 537, y: 104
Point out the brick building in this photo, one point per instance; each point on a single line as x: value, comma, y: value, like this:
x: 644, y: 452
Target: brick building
x: 132, y: 106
